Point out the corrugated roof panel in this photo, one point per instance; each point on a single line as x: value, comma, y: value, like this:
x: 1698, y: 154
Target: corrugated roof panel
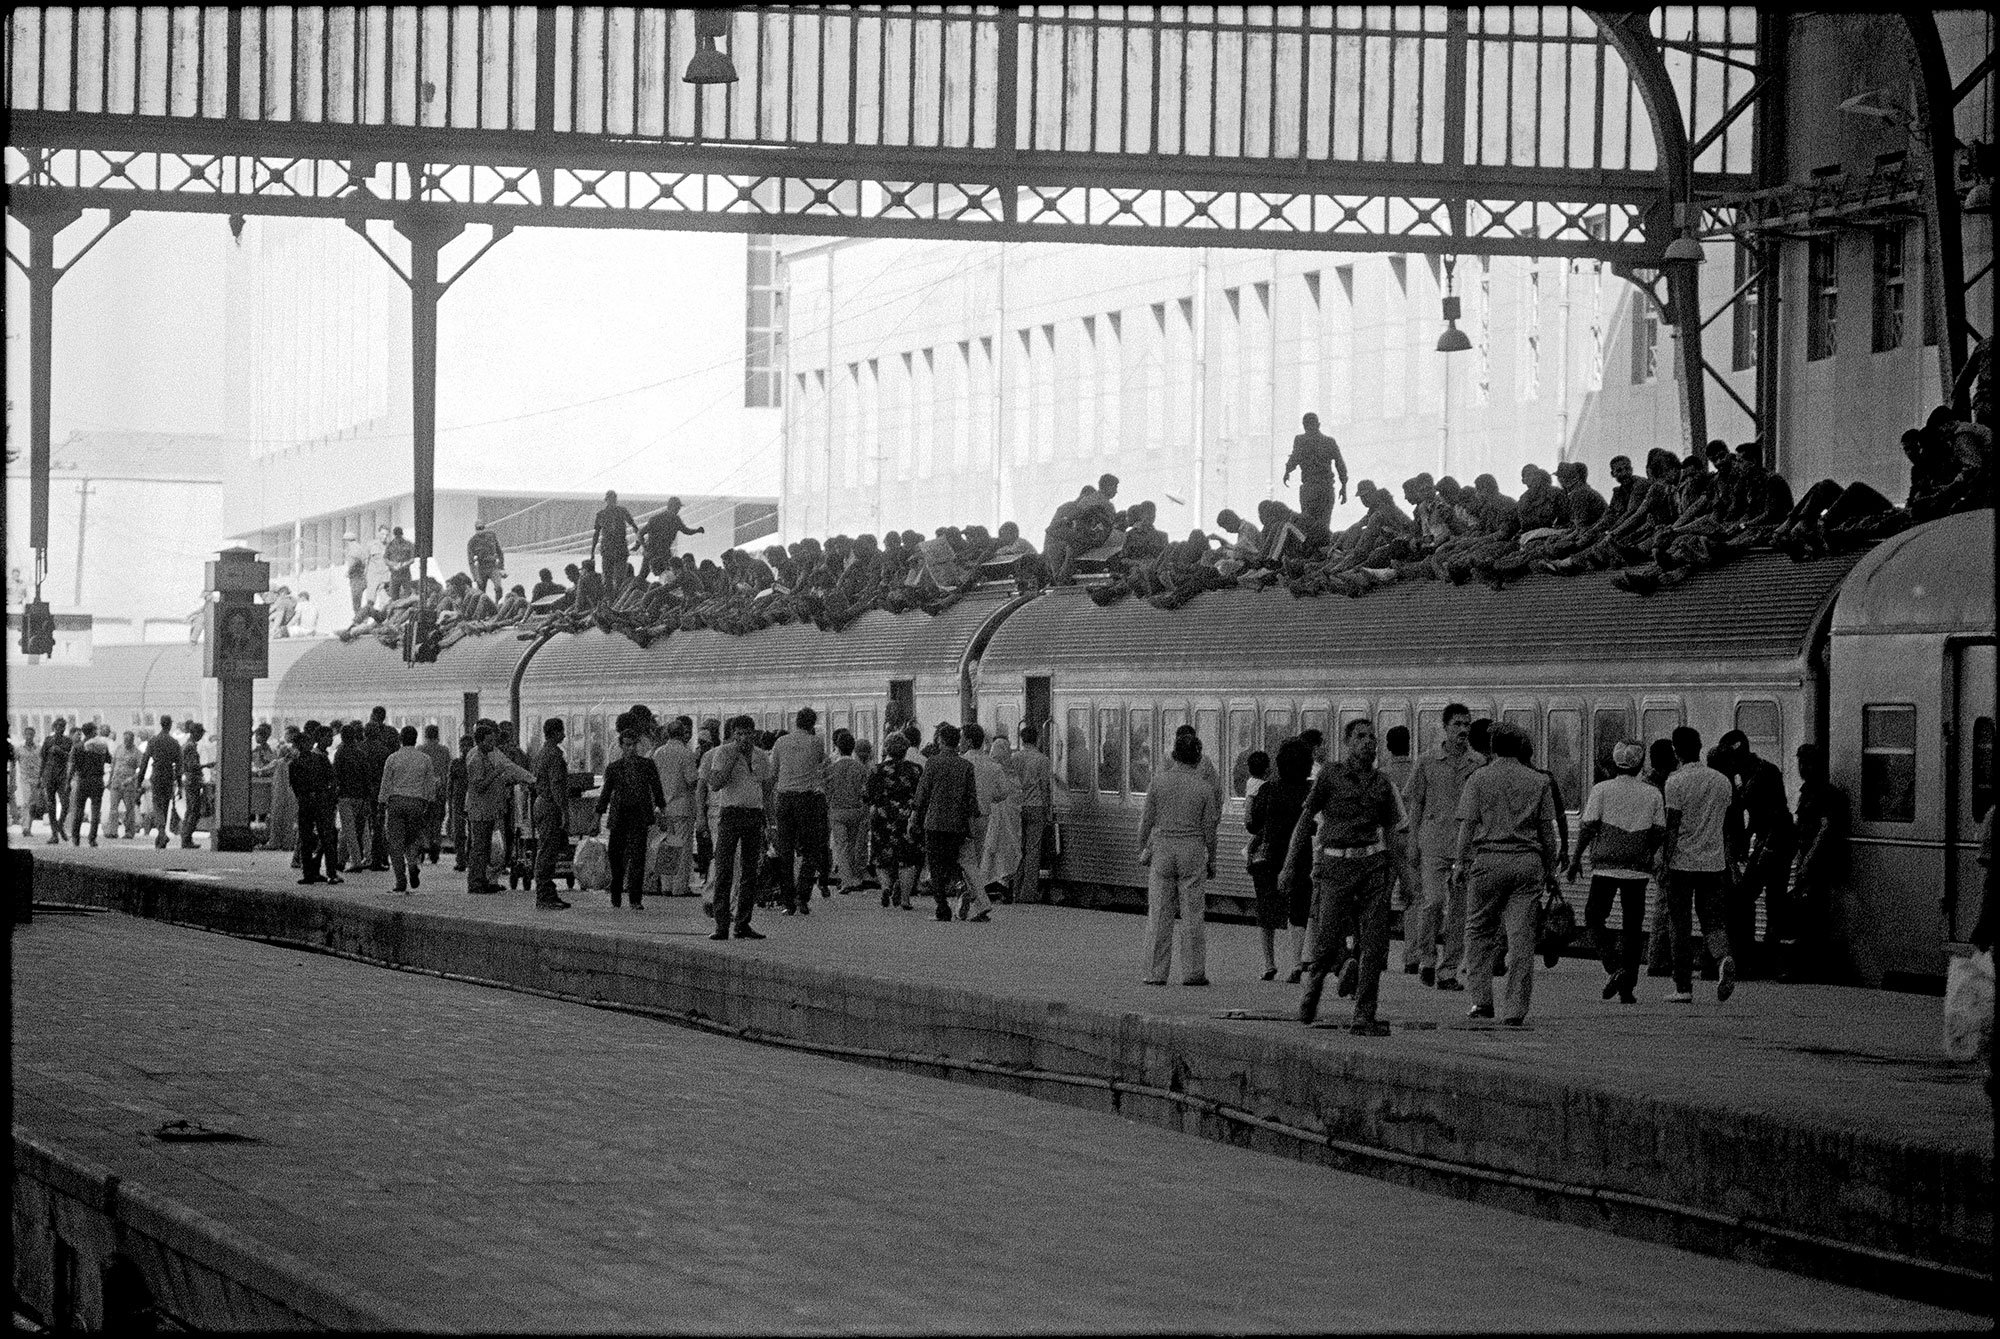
x: 342, y: 678
x: 878, y: 646
x: 1761, y: 606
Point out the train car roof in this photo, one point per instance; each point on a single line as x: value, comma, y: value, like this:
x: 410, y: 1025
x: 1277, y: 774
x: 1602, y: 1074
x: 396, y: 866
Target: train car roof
x: 1761, y: 606
x: 878, y: 646
x: 1931, y: 578
x: 363, y: 672
x: 128, y: 674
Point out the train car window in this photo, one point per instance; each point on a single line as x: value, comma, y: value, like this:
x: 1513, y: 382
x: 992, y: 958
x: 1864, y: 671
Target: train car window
x: 1889, y: 763
x: 1076, y: 749
x: 1608, y: 725
x: 1208, y: 729
x: 1524, y: 719
x: 1661, y: 722
x: 1139, y: 745
x: 1277, y: 729
x: 864, y: 725
x: 1347, y: 714
x: 1308, y: 720
x: 1110, y: 749
x: 1171, y: 721
x: 1430, y: 730
x: 1760, y: 723
x: 1388, y: 718
x: 1565, y: 752
x: 1982, y: 768
x: 1242, y: 739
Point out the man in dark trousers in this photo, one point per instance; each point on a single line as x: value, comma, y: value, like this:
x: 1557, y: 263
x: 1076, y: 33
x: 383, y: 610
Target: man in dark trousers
x: 379, y: 742
x: 632, y: 796
x: 607, y: 540
x: 55, y: 776
x: 552, y: 814
x: 194, y: 788
x: 946, y: 811
x: 1316, y: 457
x: 158, y: 772
x: 318, y: 795
x: 662, y: 528
x: 490, y: 778
x: 1355, y: 861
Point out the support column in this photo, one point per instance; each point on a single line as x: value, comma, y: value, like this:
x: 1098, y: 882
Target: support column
x: 1944, y: 252
x: 236, y: 649
x: 1684, y: 300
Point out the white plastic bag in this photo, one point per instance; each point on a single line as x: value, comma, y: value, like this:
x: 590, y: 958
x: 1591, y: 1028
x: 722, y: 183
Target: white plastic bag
x: 593, y: 864
x: 1968, y: 1007
x: 659, y: 869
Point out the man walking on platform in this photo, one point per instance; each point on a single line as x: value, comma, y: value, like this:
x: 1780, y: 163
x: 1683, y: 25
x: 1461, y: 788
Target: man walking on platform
x: 125, y: 765
x: 1037, y: 799
x: 455, y: 804
x: 551, y: 810
x: 55, y: 777
x: 490, y: 778
x: 1624, y: 822
x: 800, y: 823
x: 405, y: 794
x: 158, y: 774
x: 946, y: 811
x: 88, y: 762
x: 1507, y: 849
x: 434, y: 813
x: 734, y: 775
x: 632, y: 797
x: 1317, y: 458
x: 679, y: 773
x: 318, y: 794
x: 1355, y: 862
x: 1439, y: 904
x: 194, y: 787
x: 1696, y: 865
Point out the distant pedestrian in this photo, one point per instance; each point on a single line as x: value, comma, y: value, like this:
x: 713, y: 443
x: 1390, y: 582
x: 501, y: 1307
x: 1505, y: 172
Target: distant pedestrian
x: 490, y: 778
x: 680, y: 774
x: 1624, y: 824
x: 1272, y: 814
x: 1507, y: 855
x: 318, y: 795
x: 357, y: 572
x: 1438, y: 909
x: 1037, y: 802
x: 159, y: 775
x: 551, y: 813
x: 455, y: 804
x: 356, y: 783
x: 734, y: 775
x: 1177, y: 833
x: 897, y: 848
x: 632, y: 798
x: 1355, y: 860
x: 1000, y: 857
x: 1805, y: 943
x: 946, y: 810
x: 405, y: 793
x: 125, y: 763
x: 799, y: 824
x: 28, y: 780
x: 657, y: 538
x: 1697, y: 866
x: 55, y: 778
x: 847, y: 810
x: 400, y: 555
x: 90, y: 761
x: 608, y: 543
x: 440, y: 801
x: 988, y: 786
x: 486, y: 561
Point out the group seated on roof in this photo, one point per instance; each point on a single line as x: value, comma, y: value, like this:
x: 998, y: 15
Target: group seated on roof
x: 1680, y: 516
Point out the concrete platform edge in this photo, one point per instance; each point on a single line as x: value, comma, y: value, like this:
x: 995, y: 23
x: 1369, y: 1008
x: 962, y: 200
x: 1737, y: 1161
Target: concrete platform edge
x: 1820, y: 1200
x: 198, y: 1273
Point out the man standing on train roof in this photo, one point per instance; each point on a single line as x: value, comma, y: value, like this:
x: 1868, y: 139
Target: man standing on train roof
x: 1317, y: 458
x: 357, y: 569
x: 485, y: 559
x: 657, y: 538
x: 1355, y: 855
x: 607, y: 537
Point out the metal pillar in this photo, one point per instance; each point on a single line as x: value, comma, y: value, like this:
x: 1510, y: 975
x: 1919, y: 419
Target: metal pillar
x: 236, y: 650
x: 44, y: 217
x: 1769, y: 161
x: 1944, y: 251
x: 428, y: 232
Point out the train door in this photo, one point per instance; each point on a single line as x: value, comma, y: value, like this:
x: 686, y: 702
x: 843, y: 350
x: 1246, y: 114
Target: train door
x: 1969, y: 773
x: 903, y: 701
x: 1041, y: 711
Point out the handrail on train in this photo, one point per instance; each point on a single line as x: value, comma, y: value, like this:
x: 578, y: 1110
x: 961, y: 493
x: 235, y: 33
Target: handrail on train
x: 542, y: 639
x: 968, y: 660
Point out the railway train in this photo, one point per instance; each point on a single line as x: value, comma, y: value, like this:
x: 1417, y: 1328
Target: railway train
x: 1887, y: 659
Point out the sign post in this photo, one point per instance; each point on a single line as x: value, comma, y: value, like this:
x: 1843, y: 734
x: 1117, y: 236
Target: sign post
x: 237, y: 641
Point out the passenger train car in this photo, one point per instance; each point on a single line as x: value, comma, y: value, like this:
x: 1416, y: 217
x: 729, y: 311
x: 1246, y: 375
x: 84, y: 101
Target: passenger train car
x: 1887, y: 659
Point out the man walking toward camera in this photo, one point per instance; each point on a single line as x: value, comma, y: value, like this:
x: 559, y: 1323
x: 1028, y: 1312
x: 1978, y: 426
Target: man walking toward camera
x: 1696, y: 865
x: 1507, y: 851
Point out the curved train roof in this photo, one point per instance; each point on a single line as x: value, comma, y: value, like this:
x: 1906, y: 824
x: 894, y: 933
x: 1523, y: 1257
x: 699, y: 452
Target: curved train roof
x: 878, y: 646
x: 353, y: 676
x: 142, y: 677
x: 1761, y: 606
x: 1931, y: 578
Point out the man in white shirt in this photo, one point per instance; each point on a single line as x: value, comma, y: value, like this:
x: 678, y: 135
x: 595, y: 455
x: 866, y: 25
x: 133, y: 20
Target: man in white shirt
x: 799, y: 825
x: 1624, y: 822
x: 678, y: 769
x: 1696, y: 865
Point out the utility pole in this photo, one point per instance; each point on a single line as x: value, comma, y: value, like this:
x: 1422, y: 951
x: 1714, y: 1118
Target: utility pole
x: 82, y: 518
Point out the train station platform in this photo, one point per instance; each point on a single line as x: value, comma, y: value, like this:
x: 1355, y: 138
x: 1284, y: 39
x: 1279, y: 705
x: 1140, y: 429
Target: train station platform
x: 1816, y: 1129
x: 409, y: 1153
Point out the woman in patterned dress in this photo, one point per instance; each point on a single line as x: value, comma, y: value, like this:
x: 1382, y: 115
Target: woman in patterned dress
x: 892, y: 793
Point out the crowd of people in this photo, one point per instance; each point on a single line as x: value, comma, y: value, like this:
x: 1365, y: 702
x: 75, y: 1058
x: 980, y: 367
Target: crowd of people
x: 156, y: 783
x: 1656, y: 527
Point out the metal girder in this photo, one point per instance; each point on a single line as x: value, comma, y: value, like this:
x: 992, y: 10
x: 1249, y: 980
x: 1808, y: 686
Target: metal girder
x: 1944, y: 251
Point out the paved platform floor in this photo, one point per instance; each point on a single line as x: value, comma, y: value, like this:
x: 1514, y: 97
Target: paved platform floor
x: 1845, y: 1057
x: 495, y: 1160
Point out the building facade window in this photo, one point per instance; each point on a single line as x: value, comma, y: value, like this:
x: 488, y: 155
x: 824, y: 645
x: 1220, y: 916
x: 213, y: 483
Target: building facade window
x: 1341, y: 399
x: 1528, y: 381
x: 1822, y: 298
x: 871, y: 423
x: 1225, y: 365
x: 1645, y: 338
x: 1084, y: 387
x: 1396, y: 340
x: 1889, y: 290
x: 1743, y: 319
x: 1021, y: 394
x: 962, y: 398
x: 1110, y: 382
x: 923, y: 411
x: 764, y: 327
x: 1045, y: 394
x: 1308, y: 393
x: 1154, y: 378
x: 1257, y: 359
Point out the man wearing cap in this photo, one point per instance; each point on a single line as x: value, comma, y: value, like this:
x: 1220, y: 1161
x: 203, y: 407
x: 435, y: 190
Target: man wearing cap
x: 485, y: 559
x: 1624, y: 826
